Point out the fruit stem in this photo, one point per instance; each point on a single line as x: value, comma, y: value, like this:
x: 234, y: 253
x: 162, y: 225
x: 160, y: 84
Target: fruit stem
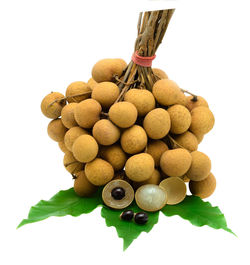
x: 195, y: 97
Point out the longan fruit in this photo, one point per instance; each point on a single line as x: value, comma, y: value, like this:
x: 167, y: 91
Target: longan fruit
x: 202, y: 120
x: 105, y: 132
x: 180, y: 119
x: 91, y: 83
x: 71, y: 164
x: 123, y: 114
x: 77, y: 88
x: 157, y: 123
x: 185, y: 178
x: 71, y: 135
x: 63, y: 147
x: 176, y: 162
x: 200, y: 166
x: 154, y: 179
x: 187, y: 140
x: 191, y: 104
x: 159, y: 73
x: 56, y: 130
x: 156, y: 148
x: 199, y: 137
x: 50, y: 110
x: 105, y: 93
x: 143, y: 100
x: 68, y: 118
x: 140, y: 167
x: 203, y: 188
x: 82, y: 186
x: 134, y: 139
x: 87, y: 113
x: 99, y: 172
x: 85, y: 148
x: 106, y: 69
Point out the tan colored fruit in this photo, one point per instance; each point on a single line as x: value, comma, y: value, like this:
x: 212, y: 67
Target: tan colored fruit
x: 203, y: 188
x: 176, y: 162
x: 99, y: 172
x: 82, y: 186
x: 193, y: 104
x: 50, y: 108
x: 85, y: 148
x: 143, y: 100
x: 105, y: 132
x: 134, y: 139
x: 123, y: 114
x: 56, y: 130
x: 160, y: 73
x: 139, y: 167
x: 199, y: 137
x: 71, y: 135
x: 187, y: 140
x: 114, y: 155
x: 68, y: 118
x: 62, y: 146
x: 77, y: 88
x: 91, y: 83
x: 154, y: 179
x: 105, y: 93
x: 180, y: 119
x: 202, y: 120
x: 87, y: 113
x: 106, y: 69
x: 71, y: 164
x: 185, y: 178
x: 157, y: 123
x: 156, y: 148
x: 200, y: 166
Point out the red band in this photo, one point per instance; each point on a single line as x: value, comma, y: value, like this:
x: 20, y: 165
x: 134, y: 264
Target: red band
x: 141, y: 60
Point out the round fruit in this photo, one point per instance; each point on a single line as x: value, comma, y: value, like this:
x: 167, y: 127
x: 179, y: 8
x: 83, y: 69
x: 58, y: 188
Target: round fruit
x: 77, y: 88
x: 56, y: 130
x: 199, y: 137
x: 185, y: 178
x: 82, y: 186
x: 71, y: 164
x: 176, y: 162
x: 156, y: 148
x: 175, y: 188
x: 141, y: 218
x: 68, y: 118
x: 71, y: 135
x: 139, y: 167
x: 62, y: 147
x: 187, y: 140
x: 191, y: 104
x: 127, y: 215
x: 159, y: 73
x: 154, y: 179
x: 99, y: 172
x: 118, y: 193
x: 85, y: 148
x: 91, y: 83
x: 157, y: 123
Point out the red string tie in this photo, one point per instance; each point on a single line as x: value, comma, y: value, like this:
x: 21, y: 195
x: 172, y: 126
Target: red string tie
x: 141, y: 60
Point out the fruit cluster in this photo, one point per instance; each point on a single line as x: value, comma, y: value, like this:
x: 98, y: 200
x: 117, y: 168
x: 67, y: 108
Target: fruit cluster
x: 141, y: 145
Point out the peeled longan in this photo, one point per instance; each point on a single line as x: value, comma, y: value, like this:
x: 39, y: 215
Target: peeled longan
x: 71, y: 164
x: 180, y: 119
x: 123, y: 114
x: 77, y: 88
x: 105, y: 132
x: 176, y: 162
x: 143, y: 100
x: 71, y: 135
x: 139, y: 167
x: 91, y: 83
x: 134, y: 139
x: 156, y: 148
x: 53, y: 110
x: 106, y: 69
x: 99, y: 172
x: 160, y: 73
x: 157, y: 123
x: 87, y: 113
x: 187, y: 140
x: 200, y: 166
x: 202, y: 120
x: 62, y: 146
x: 191, y: 104
x: 82, y: 186
x: 203, y: 188
x: 56, y: 130
x: 85, y: 148
x: 105, y: 93
x: 68, y: 118
x: 154, y: 179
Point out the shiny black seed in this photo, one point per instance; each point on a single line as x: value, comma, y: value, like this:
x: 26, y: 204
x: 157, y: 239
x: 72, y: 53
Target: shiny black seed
x: 141, y: 218
x: 127, y: 215
x: 118, y: 193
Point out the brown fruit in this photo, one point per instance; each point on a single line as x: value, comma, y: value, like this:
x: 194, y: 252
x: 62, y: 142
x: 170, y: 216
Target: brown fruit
x: 62, y: 146
x: 71, y: 135
x: 185, y: 178
x: 91, y: 83
x: 156, y: 148
x: 159, y: 73
x: 68, y: 118
x: 82, y: 186
x: 71, y: 164
x: 199, y: 137
x: 154, y: 179
x: 56, y: 130
x: 187, y: 140
x: 193, y: 104
x: 77, y: 88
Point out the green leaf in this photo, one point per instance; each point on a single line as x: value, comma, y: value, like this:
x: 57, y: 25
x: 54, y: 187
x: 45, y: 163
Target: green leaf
x: 198, y: 213
x: 128, y: 230
x: 65, y: 202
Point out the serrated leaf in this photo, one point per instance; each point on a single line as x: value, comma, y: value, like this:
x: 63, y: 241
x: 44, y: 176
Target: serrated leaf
x: 65, y: 202
x: 128, y: 230
x: 198, y: 213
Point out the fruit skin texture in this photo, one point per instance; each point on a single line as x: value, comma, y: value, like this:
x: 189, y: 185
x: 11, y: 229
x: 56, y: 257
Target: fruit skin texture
x: 200, y: 166
x: 71, y: 164
x: 156, y: 148
x: 160, y: 73
x: 87, y: 113
x: 71, y: 135
x: 187, y: 140
x: 154, y: 179
x: 63, y: 147
x: 91, y: 83
x: 99, y: 172
x: 134, y: 139
x: 176, y: 162
x: 82, y: 186
x: 77, y: 88
x: 123, y: 114
x: 85, y: 148
x: 52, y: 111
x: 157, y: 123
x: 105, y: 93
x: 56, y: 130
x: 105, y: 69
x: 143, y: 100
x: 139, y: 167
x: 202, y: 120
x: 68, y: 118
x: 193, y: 104
x: 105, y: 132
x: 203, y: 188
x: 180, y: 119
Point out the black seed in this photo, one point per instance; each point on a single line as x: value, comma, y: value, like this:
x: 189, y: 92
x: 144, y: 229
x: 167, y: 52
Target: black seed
x: 127, y: 215
x: 141, y: 218
x: 118, y: 193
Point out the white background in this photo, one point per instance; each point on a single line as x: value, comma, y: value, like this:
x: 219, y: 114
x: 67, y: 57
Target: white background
x: 45, y: 45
